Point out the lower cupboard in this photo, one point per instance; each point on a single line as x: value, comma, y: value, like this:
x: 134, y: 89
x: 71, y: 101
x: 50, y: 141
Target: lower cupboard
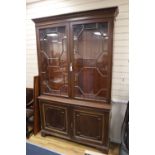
x: 82, y: 124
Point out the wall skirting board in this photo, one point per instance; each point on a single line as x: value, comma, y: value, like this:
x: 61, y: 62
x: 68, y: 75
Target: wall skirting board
x: 117, y: 117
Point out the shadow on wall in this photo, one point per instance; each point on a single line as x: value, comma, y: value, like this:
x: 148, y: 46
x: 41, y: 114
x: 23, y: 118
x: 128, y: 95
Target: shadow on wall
x: 117, y: 117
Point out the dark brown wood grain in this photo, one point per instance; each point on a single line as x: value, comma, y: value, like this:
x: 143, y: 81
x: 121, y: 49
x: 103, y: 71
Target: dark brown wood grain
x: 37, y: 125
x: 80, y: 124
x: 75, y: 71
x: 85, y: 15
x: 75, y: 102
x: 55, y: 118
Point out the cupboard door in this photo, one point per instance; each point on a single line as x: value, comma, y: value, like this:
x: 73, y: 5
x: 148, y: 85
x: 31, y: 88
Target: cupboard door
x: 91, y: 60
x: 55, y: 118
x: 53, y: 54
x: 89, y: 126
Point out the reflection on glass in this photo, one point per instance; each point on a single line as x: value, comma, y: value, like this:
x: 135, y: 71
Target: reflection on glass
x: 90, y: 60
x: 54, y: 61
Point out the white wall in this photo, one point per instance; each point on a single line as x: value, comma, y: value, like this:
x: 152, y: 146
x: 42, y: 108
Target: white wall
x: 120, y: 80
x: 118, y: 111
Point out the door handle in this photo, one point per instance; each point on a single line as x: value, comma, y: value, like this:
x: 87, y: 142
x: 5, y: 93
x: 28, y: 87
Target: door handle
x: 70, y: 67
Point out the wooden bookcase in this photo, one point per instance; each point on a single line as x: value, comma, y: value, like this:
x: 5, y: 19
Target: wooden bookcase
x: 75, y: 67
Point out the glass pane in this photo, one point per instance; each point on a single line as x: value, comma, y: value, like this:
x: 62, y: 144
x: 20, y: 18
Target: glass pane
x: 54, y: 65
x: 90, y: 60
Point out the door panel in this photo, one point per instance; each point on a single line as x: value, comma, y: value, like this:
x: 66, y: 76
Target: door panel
x: 54, y: 60
x: 88, y: 125
x: 55, y: 118
x: 90, y: 60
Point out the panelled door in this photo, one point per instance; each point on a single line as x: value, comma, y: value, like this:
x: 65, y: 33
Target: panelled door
x: 90, y: 126
x: 55, y: 118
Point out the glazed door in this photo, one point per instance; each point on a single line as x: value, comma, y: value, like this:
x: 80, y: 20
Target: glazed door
x: 91, y: 60
x: 54, y: 59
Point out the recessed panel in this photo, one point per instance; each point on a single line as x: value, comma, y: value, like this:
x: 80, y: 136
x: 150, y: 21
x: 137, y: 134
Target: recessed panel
x: 88, y: 125
x: 55, y: 118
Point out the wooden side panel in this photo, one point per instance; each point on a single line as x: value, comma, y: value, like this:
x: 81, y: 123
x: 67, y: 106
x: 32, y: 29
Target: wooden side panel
x: 36, y: 106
